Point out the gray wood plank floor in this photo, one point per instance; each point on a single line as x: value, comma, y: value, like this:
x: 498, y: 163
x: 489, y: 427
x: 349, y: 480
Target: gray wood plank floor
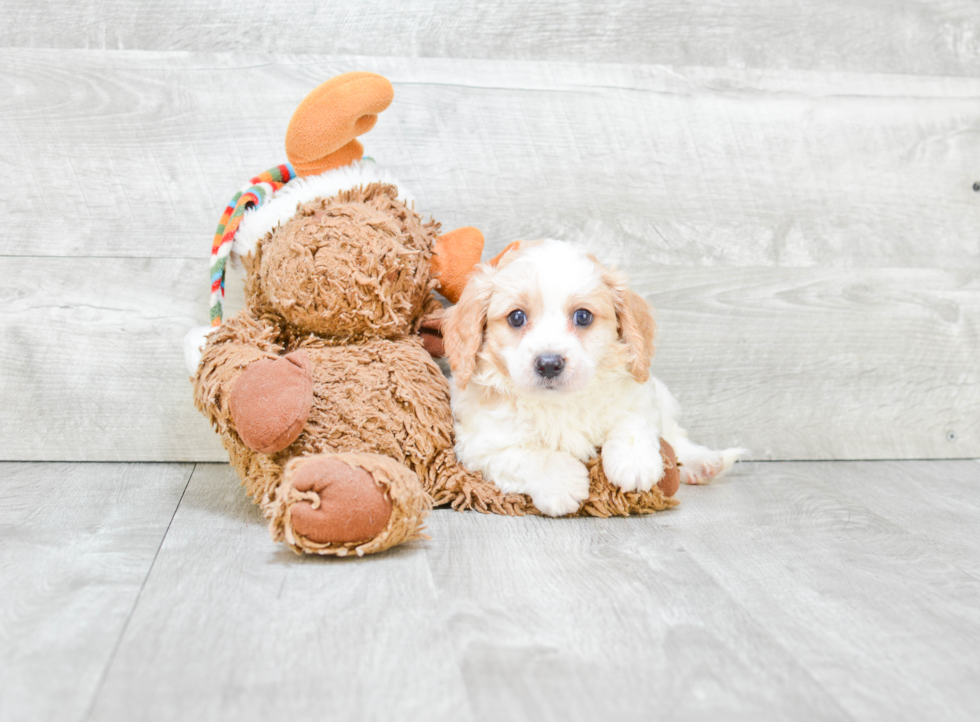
x: 834, y: 590
x: 76, y: 544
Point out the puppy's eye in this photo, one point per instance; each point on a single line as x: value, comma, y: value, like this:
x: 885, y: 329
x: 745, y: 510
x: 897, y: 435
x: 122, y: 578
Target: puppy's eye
x: 582, y: 317
x: 517, y: 318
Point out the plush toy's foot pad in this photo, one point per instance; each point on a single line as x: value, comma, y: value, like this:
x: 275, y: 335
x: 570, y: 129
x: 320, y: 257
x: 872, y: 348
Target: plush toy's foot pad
x: 671, y: 481
x: 347, y: 503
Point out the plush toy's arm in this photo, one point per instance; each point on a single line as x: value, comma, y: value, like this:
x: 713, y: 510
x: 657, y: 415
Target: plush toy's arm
x: 230, y: 349
x: 431, y: 333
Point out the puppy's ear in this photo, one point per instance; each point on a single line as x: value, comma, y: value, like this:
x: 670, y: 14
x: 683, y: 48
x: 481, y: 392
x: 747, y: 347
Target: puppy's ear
x: 636, y: 325
x: 464, y: 324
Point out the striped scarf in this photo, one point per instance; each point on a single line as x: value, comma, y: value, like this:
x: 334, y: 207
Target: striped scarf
x: 259, y: 189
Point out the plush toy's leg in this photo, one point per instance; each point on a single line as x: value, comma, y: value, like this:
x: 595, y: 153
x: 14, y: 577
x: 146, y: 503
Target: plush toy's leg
x: 672, y: 474
x: 341, y: 504
x: 453, y: 484
x: 605, y: 499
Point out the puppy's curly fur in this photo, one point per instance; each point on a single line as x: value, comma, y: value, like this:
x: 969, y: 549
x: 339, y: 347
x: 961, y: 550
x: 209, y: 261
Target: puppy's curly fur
x: 550, y: 353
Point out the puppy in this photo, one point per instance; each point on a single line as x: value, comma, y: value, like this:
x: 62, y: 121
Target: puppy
x: 550, y: 356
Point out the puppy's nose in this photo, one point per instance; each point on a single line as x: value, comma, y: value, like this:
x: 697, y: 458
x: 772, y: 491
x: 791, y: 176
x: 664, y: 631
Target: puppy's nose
x: 549, y: 365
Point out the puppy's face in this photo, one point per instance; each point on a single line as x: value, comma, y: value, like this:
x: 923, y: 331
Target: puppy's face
x: 547, y: 319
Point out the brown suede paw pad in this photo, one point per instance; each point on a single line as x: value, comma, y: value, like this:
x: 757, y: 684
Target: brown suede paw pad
x: 671, y: 481
x: 271, y: 401
x: 352, y: 507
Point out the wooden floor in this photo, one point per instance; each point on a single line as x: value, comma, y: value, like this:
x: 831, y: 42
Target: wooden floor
x: 794, y: 590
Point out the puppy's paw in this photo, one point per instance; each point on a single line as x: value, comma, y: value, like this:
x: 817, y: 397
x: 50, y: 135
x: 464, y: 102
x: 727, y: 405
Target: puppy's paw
x: 564, y: 488
x: 701, y: 472
x: 632, y: 466
x: 705, y: 465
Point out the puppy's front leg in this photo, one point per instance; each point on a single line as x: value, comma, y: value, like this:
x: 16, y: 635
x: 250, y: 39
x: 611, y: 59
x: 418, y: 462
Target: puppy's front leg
x: 556, y: 481
x: 631, y: 455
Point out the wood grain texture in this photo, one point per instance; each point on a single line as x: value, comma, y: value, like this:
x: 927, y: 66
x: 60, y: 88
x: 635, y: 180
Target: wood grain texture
x: 91, y: 360
x: 809, y: 238
x: 943, y: 519
x: 779, y: 590
x: 882, y: 616
x: 792, y: 363
x: 841, y: 364
x: 595, y: 619
x: 231, y: 626
x: 697, y: 166
x: 76, y: 544
x: 936, y: 38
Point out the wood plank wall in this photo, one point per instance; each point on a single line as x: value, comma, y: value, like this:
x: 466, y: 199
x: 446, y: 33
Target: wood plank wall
x: 790, y: 186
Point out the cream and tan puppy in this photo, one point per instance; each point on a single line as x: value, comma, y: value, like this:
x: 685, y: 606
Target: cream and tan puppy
x: 550, y: 353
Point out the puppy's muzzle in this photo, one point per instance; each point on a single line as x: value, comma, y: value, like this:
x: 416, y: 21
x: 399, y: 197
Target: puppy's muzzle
x: 549, y: 365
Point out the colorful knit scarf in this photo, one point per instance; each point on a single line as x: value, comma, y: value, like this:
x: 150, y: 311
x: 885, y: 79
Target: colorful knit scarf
x: 260, y: 188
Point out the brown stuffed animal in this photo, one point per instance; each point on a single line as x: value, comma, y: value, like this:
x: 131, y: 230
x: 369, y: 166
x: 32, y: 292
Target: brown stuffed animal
x: 332, y: 410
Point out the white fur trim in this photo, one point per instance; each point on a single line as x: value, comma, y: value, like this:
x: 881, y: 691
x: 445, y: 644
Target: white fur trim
x: 281, y: 207
x: 194, y: 346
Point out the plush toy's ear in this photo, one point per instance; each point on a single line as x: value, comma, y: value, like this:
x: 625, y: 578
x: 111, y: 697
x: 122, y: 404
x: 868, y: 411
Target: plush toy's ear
x: 455, y: 255
x: 636, y: 325
x: 322, y: 131
x: 464, y: 324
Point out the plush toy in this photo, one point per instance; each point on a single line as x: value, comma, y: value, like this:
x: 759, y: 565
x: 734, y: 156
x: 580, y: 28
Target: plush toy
x: 323, y: 388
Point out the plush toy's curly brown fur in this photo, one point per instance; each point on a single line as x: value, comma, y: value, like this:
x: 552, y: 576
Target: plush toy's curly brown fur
x: 346, y: 284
